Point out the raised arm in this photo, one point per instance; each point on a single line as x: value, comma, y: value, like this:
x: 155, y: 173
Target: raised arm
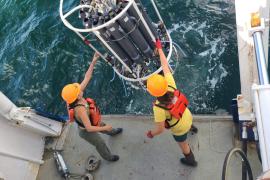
x: 163, y: 59
x: 89, y: 72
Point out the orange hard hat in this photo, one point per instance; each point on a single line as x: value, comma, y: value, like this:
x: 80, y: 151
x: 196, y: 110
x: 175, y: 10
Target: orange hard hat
x: 157, y: 85
x: 71, y: 92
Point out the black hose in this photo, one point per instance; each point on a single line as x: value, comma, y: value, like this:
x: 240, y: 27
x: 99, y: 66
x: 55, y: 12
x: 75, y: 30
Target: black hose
x: 258, y: 151
x: 244, y: 167
x: 228, y: 158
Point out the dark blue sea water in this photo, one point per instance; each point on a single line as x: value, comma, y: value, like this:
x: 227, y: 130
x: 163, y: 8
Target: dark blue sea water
x: 39, y: 55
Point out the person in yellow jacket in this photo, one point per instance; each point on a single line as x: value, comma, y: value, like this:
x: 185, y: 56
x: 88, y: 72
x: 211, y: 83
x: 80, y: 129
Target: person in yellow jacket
x: 73, y: 95
x: 163, y: 87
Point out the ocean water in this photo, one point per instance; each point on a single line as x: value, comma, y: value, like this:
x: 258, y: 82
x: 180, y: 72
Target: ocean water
x: 39, y: 55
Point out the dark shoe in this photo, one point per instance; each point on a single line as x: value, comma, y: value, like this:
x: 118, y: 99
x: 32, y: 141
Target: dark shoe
x: 189, y: 160
x: 114, y: 158
x: 116, y: 131
x: 193, y: 129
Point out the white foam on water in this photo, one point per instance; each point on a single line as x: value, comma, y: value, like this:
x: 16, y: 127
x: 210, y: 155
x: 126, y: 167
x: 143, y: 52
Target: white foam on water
x: 45, y: 87
x: 205, y: 53
x: 217, y: 7
x: 215, y: 48
x: 231, y: 27
x: 221, y: 51
x: 32, y: 90
x: 68, y: 53
x: 187, y: 27
x: 130, y: 106
x: 24, y: 102
x: 174, y: 28
x: 28, y: 26
x: 7, y: 71
x: 215, y: 80
x: 201, y: 28
x: 18, y: 81
x: 43, y: 54
x: 224, y: 72
x: 204, y: 105
x: 132, y: 85
x: 212, y: 82
x: 189, y: 65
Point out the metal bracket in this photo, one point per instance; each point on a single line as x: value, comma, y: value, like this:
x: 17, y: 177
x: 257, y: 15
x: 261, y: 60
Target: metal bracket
x: 244, y: 109
x: 260, y: 28
x: 267, y: 22
x: 18, y: 115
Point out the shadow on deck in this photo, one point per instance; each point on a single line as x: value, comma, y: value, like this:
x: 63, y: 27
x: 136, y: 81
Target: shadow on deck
x: 156, y: 159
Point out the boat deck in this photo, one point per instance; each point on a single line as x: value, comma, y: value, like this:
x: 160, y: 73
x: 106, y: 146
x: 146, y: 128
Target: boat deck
x: 157, y: 159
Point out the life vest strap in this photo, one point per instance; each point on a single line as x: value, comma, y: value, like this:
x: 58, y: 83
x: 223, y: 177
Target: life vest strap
x: 177, y: 105
x: 76, y: 105
x: 172, y: 87
x: 76, y: 120
x: 168, y: 126
x: 94, y: 113
x: 162, y: 107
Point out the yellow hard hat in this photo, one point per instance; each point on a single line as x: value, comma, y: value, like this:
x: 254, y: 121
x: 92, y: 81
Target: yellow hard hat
x: 157, y: 85
x: 71, y: 92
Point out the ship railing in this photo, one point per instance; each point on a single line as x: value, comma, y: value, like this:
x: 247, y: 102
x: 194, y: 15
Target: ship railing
x: 261, y: 92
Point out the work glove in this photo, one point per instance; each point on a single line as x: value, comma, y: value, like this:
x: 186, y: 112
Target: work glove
x: 158, y: 44
x: 149, y: 134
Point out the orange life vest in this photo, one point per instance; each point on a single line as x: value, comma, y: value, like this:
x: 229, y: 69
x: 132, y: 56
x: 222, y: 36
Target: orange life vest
x: 176, y: 108
x: 94, y: 113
